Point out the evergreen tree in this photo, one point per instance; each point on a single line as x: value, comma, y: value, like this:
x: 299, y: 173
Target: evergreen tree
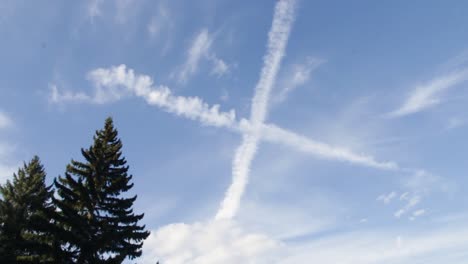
x: 97, y: 220
x: 25, y: 204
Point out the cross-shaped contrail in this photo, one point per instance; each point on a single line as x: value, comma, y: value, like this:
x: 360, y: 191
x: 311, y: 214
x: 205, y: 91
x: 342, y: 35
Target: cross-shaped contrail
x: 117, y: 82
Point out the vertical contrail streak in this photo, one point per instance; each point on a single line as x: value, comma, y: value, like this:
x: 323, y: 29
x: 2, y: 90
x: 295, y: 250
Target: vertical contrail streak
x: 245, y: 153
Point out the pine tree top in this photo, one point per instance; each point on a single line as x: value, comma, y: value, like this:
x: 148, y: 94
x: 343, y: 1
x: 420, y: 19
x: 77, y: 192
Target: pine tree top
x: 29, y: 180
x: 93, y: 203
x: 23, y: 209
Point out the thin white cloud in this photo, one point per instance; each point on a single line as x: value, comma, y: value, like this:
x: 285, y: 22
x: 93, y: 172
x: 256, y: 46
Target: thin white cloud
x: 419, y: 212
x: 224, y: 95
x: 387, y: 198
x: 381, y: 247
x: 94, y: 9
x: 417, y: 186
x: 404, y: 196
x: 457, y: 62
x: 296, y: 75
x: 155, y: 25
x: 5, y: 120
x: 278, y: 38
x: 428, y: 95
x: 456, y: 122
x: 411, y: 202
x: 220, y: 67
x: 121, y: 11
x: 160, y: 22
x: 201, y: 49
x: 291, y: 220
x: 57, y: 96
x: 124, y: 10
x: 424, y: 183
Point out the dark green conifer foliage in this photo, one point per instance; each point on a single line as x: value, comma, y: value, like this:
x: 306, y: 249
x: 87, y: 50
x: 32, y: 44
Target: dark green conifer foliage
x: 25, y: 204
x: 98, y: 222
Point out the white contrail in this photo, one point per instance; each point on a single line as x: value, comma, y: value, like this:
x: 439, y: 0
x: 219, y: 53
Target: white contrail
x: 116, y: 82
x: 301, y: 143
x: 277, y: 40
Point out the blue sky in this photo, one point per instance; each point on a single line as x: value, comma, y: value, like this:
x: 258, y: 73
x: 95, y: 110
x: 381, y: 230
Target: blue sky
x: 256, y: 131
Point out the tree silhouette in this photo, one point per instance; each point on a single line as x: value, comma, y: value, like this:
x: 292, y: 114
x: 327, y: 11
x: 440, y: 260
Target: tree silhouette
x: 96, y: 220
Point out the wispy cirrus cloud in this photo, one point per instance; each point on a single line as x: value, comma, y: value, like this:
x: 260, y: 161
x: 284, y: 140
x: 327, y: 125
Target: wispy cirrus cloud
x: 387, y: 198
x: 201, y: 49
x: 416, y: 186
x: 428, y: 95
x: 296, y: 75
x: 411, y: 202
x: 161, y: 27
x: 58, y: 97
